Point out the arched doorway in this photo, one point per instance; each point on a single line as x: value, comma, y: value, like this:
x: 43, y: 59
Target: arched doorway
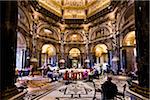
x: 48, y: 55
x: 74, y: 57
x: 20, y: 54
x: 129, y: 52
x: 101, y: 54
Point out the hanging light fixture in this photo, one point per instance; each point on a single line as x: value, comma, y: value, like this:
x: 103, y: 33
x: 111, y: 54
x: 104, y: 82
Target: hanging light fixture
x: 61, y: 61
x: 47, y: 31
x: 87, y: 60
x: 115, y: 59
x: 33, y: 60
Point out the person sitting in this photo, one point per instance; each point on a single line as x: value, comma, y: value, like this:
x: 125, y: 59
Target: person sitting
x: 90, y: 76
x: 50, y: 75
x: 85, y: 74
x: 133, y: 75
x: 109, y: 89
x: 96, y: 75
x: 66, y: 75
x: 55, y: 75
x: 104, y: 67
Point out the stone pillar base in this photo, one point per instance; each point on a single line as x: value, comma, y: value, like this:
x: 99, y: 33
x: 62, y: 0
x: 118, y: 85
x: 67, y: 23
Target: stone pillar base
x: 9, y: 92
x: 140, y: 90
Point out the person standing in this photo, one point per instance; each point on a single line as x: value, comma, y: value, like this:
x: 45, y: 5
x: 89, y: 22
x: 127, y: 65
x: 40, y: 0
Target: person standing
x: 109, y: 90
x: 32, y: 70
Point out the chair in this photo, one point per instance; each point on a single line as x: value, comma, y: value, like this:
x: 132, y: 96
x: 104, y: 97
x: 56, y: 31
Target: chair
x: 121, y: 93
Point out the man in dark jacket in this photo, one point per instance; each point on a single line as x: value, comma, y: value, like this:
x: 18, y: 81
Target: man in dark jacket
x: 109, y: 89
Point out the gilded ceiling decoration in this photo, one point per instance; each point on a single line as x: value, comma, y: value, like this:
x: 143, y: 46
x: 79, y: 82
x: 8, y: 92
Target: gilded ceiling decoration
x: 74, y: 9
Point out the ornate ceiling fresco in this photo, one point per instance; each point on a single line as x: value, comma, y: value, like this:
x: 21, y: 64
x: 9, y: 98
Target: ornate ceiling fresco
x: 74, y: 9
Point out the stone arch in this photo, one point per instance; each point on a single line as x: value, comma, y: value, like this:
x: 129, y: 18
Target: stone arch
x: 125, y: 20
x: 48, y: 54
x: 49, y: 49
x: 68, y: 48
x: 74, y: 52
x: 96, y: 29
x: 101, y: 42
x: 21, y: 41
x: 52, y: 29
x: 129, y: 39
x: 72, y: 32
x: 129, y: 48
x: 99, y: 49
x: 20, y: 53
x: 125, y: 32
x: 74, y: 37
x: 25, y: 20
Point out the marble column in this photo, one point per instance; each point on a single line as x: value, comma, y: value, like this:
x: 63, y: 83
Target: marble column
x: 62, y: 45
x: 142, y: 40
x: 62, y: 65
x: 27, y: 58
x: 34, y: 40
x: 142, y: 47
x: 102, y: 59
x: 97, y: 60
x: 9, y: 15
x: 110, y: 57
x: 40, y: 58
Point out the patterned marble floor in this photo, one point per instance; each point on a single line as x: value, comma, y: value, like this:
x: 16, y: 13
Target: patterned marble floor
x: 81, y: 90
x: 77, y: 90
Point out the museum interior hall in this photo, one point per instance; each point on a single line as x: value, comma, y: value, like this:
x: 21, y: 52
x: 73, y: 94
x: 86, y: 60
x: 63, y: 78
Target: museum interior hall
x: 74, y: 50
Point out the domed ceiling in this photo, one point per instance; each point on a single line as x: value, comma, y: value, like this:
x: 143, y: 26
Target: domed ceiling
x: 74, y: 9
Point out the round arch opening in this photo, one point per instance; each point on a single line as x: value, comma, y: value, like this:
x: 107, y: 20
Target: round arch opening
x: 74, y: 60
x: 74, y: 52
x: 48, y: 55
x: 129, y: 52
x: 99, y: 49
x: 101, y: 54
x: 20, y: 54
x: 129, y: 39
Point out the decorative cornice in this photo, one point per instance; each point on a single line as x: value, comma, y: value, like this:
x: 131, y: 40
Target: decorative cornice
x: 74, y: 42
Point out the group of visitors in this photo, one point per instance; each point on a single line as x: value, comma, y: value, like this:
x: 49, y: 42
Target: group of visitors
x: 109, y: 90
x: 52, y: 74
x: 73, y: 75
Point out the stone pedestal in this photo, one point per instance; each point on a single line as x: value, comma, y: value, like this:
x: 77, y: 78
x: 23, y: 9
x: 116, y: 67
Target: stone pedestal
x: 9, y: 15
